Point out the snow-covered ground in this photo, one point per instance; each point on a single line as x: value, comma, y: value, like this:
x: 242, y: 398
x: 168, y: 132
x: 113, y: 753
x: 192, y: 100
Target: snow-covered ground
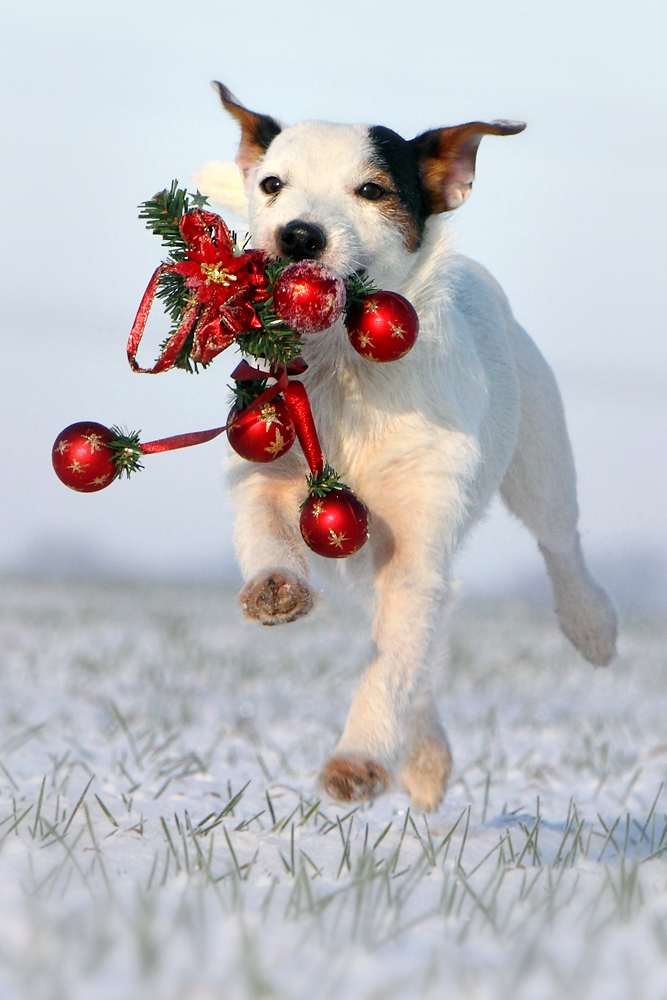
x: 162, y: 834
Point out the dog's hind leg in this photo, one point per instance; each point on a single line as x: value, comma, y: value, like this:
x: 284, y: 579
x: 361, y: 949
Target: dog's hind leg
x: 428, y: 761
x: 540, y: 489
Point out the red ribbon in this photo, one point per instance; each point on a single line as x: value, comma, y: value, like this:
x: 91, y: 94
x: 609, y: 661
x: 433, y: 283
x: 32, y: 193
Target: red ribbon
x: 297, y: 402
x: 298, y: 405
x: 224, y: 288
x: 242, y: 373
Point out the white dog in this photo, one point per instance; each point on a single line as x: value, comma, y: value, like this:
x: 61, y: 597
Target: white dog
x: 425, y: 441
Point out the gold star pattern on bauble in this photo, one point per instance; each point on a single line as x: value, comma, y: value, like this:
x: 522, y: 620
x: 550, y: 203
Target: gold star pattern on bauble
x: 397, y: 330
x: 75, y: 466
x: 95, y: 442
x: 317, y: 508
x: 337, y: 539
x: 278, y: 444
x: 269, y: 416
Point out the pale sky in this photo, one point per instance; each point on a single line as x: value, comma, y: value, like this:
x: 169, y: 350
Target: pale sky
x: 105, y: 103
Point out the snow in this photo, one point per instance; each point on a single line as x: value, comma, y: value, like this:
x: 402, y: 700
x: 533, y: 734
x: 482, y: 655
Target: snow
x: 152, y: 708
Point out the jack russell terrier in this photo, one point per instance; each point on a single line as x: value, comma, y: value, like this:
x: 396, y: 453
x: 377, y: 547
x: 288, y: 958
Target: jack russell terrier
x: 426, y: 441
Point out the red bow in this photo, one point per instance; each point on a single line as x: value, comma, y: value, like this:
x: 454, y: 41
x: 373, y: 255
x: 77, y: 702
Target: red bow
x: 224, y: 288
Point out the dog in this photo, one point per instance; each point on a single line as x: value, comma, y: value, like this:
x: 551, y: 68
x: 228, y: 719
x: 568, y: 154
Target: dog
x: 426, y: 441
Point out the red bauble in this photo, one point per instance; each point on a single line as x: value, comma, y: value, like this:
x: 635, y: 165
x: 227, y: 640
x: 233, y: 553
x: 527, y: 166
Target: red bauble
x: 309, y: 296
x: 335, y: 525
x: 82, y: 458
x: 262, y: 435
x: 384, y: 327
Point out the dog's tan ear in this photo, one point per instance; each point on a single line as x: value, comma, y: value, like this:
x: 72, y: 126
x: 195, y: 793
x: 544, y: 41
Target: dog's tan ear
x: 447, y: 160
x: 257, y: 131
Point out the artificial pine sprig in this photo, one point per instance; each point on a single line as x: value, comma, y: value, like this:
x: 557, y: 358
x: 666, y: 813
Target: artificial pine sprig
x: 245, y: 393
x: 275, y: 341
x: 358, y: 287
x: 128, y: 451
x: 163, y: 213
x: 321, y: 483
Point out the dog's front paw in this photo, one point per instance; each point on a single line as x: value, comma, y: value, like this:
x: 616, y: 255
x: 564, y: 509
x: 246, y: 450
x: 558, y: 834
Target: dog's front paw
x: 275, y: 598
x: 349, y: 780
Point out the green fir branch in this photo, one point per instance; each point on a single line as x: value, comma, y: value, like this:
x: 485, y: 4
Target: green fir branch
x: 275, y: 341
x: 324, y: 482
x: 163, y: 213
x: 358, y: 287
x: 128, y: 451
x: 246, y: 392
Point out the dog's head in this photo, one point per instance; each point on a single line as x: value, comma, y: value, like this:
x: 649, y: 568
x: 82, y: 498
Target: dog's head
x: 354, y: 196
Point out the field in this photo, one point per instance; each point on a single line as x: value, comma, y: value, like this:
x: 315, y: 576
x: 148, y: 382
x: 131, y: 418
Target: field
x: 162, y: 835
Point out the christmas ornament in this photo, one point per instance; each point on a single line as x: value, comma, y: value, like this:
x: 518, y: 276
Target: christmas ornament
x: 215, y: 291
x: 88, y: 456
x: 383, y: 326
x: 218, y: 293
x: 309, y: 296
x: 334, y: 522
x: 261, y: 435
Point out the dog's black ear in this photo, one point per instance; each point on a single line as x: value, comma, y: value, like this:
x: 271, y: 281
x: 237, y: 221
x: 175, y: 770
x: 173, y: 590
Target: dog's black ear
x: 446, y: 158
x: 257, y: 131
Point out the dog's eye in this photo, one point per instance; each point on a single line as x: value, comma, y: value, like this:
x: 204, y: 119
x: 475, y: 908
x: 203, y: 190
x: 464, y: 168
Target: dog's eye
x: 371, y: 191
x: 271, y: 185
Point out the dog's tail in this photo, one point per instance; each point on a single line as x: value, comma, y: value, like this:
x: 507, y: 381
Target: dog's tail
x: 222, y: 182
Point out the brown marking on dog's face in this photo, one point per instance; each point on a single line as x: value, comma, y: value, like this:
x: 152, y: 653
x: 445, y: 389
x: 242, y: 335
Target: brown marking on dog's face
x: 257, y: 131
x: 390, y: 205
x: 446, y: 159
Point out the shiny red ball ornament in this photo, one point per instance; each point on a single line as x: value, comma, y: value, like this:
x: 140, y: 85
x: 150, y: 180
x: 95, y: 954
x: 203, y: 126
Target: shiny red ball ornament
x: 309, y: 296
x: 335, y: 525
x: 384, y: 327
x: 82, y: 458
x: 261, y: 435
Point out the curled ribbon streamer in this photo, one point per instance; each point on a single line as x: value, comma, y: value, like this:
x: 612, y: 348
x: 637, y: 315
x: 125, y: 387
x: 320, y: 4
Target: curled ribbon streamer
x: 170, y: 354
x: 298, y: 405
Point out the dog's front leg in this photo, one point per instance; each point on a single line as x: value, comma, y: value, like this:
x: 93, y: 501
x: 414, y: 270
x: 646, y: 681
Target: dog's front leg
x: 392, y: 719
x: 268, y: 544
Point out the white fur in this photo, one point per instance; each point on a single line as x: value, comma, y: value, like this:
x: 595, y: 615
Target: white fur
x: 425, y: 441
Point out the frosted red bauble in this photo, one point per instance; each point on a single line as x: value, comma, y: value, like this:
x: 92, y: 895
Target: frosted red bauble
x: 309, y: 296
x: 384, y: 327
x: 335, y: 525
x: 82, y: 459
x: 261, y: 435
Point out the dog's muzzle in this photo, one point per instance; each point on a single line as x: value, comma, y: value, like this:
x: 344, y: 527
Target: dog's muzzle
x: 301, y: 240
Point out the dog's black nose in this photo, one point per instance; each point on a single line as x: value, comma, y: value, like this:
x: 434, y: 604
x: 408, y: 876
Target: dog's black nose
x: 302, y: 240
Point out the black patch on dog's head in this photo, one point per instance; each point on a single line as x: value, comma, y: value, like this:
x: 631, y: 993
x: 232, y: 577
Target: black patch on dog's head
x: 265, y: 129
x: 398, y: 158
